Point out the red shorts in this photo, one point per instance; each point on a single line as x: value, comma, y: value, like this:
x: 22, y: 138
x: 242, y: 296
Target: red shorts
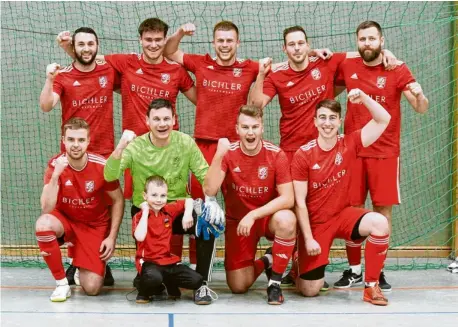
x: 208, y: 148
x: 240, y: 251
x: 128, y: 185
x: 86, y: 242
x: 380, y: 177
x: 340, y: 226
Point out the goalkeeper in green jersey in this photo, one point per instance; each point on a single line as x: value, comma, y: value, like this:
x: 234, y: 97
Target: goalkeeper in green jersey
x: 172, y: 155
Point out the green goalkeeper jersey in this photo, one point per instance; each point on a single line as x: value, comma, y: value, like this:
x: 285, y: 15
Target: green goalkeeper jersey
x: 173, y: 162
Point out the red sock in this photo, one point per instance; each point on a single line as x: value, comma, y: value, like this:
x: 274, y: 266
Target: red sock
x: 49, y: 248
x: 353, y: 253
x: 281, y: 253
x: 192, y: 251
x: 259, y: 267
x: 176, y: 245
x: 375, y: 254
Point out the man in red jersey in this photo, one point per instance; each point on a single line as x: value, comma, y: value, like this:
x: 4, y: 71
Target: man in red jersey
x: 85, y: 89
x: 144, y: 78
x: 321, y: 172
x: 74, y: 210
x: 377, y: 168
x: 258, y: 193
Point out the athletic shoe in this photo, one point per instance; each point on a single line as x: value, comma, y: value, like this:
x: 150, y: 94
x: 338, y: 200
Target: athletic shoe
x: 62, y: 291
x: 70, y: 274
x: 204, y: 295
x: 142, y: 299
x: 109, y: 280
x: 374, y: 295
x: 325, y: 287
x: 274, y: 294
x: 268, y: 271
x: 453, y: 267
x: 384, y: 286
x: 288, y: 280
x: 348, y: 279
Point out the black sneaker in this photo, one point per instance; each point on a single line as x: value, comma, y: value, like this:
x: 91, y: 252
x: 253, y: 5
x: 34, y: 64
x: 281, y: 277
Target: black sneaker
x: 348, y: 279
x: 288, y: 280
x: 109, y: 280
x: 325, y: 287
x: 142, y: 299
x: 268, y: 271
x: 204, y: 295
x: 383, y: 284
x: 136, y: 281
x: 274, y: 294
x: 70, y: 274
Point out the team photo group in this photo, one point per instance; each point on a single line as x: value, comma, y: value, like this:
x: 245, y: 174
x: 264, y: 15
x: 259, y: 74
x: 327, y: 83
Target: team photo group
x: 300, y: 195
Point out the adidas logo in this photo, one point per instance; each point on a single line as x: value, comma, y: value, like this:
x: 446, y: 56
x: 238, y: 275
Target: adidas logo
x: 76, y: 83
x: 290, y: 83
x: 282, y: 255
x: 139, y: 71
x: 316, y: 166
x: 237, y: 170
x: 68, y: 183
x: 354, y: 76
x: 211, y: 67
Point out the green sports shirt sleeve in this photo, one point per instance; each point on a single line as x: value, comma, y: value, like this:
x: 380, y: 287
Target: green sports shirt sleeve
x: 114, y: 167
x: 173, y: 162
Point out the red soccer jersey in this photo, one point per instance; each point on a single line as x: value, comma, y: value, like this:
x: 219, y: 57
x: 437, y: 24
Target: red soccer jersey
x: 89, y: 95
x: 221, y: 91
x: 298, y: 94
x: 141, y: 83
x: 386, y: 88
x: 328, y: 175
x: 81, y: 194
x: 156, y: 246
x: 251, y: 181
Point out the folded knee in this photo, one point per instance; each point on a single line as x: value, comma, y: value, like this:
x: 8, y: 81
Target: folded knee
x: 44, y: 223
x: 310, y: 292
x: 238, y: 289
x: 92, y: 290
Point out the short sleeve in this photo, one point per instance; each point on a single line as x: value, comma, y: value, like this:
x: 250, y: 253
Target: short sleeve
x: 135, y: 221
x: 174, y: 209
x: 58, y: 86
x: 282, y: 169
x: 111, y: 186
x: 339, y: 79
x: 269, y: 88
x: 186, y: 81
x: 118, y: 61
x: 336, y: 60
x: 355, y: 141
x: 225, y: 162
x: 404, y: 77
x: 191, y: 61
x: 48, y: 174
x: 300, y: 167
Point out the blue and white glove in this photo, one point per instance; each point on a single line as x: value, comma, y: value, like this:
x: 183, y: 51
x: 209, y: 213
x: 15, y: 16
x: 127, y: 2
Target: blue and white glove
x: 203, y: 227
x: 212, y: 211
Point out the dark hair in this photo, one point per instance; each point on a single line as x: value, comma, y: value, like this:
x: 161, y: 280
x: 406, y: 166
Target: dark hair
x: 159, y: 104
x: 251, y: 111
x: 85, y: 30
x: 332, y: 105
x: 75, y: 123
x: 226, y: 25
x: 369, y: 24
x: 293, y: 29
x: 153, y: 25
x: 158, y: 180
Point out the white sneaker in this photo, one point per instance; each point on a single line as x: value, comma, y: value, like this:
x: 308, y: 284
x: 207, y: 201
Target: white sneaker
x: 453, y: 267
x: 62, y: 291
x: 77, y: 277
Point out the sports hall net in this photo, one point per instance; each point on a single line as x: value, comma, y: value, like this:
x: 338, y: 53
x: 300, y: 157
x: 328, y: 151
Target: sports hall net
x: 421, y: 34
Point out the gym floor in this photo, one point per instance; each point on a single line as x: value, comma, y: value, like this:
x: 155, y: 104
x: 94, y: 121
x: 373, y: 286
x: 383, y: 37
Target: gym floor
x: 418, y: 298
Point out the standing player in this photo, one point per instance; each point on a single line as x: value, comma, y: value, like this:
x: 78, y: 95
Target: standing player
x: 145, y: 77
x: 321, y: 171
x: 377, y: 167
x: 172, y: 155
x: 74, y: 210
x: 85, y: 89
x: 258, y: 193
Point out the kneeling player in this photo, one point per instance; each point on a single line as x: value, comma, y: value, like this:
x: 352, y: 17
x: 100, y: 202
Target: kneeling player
x: 74, y: 211
x: 321, y: 176
x: 258, y: 191
x: 152, y: 229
